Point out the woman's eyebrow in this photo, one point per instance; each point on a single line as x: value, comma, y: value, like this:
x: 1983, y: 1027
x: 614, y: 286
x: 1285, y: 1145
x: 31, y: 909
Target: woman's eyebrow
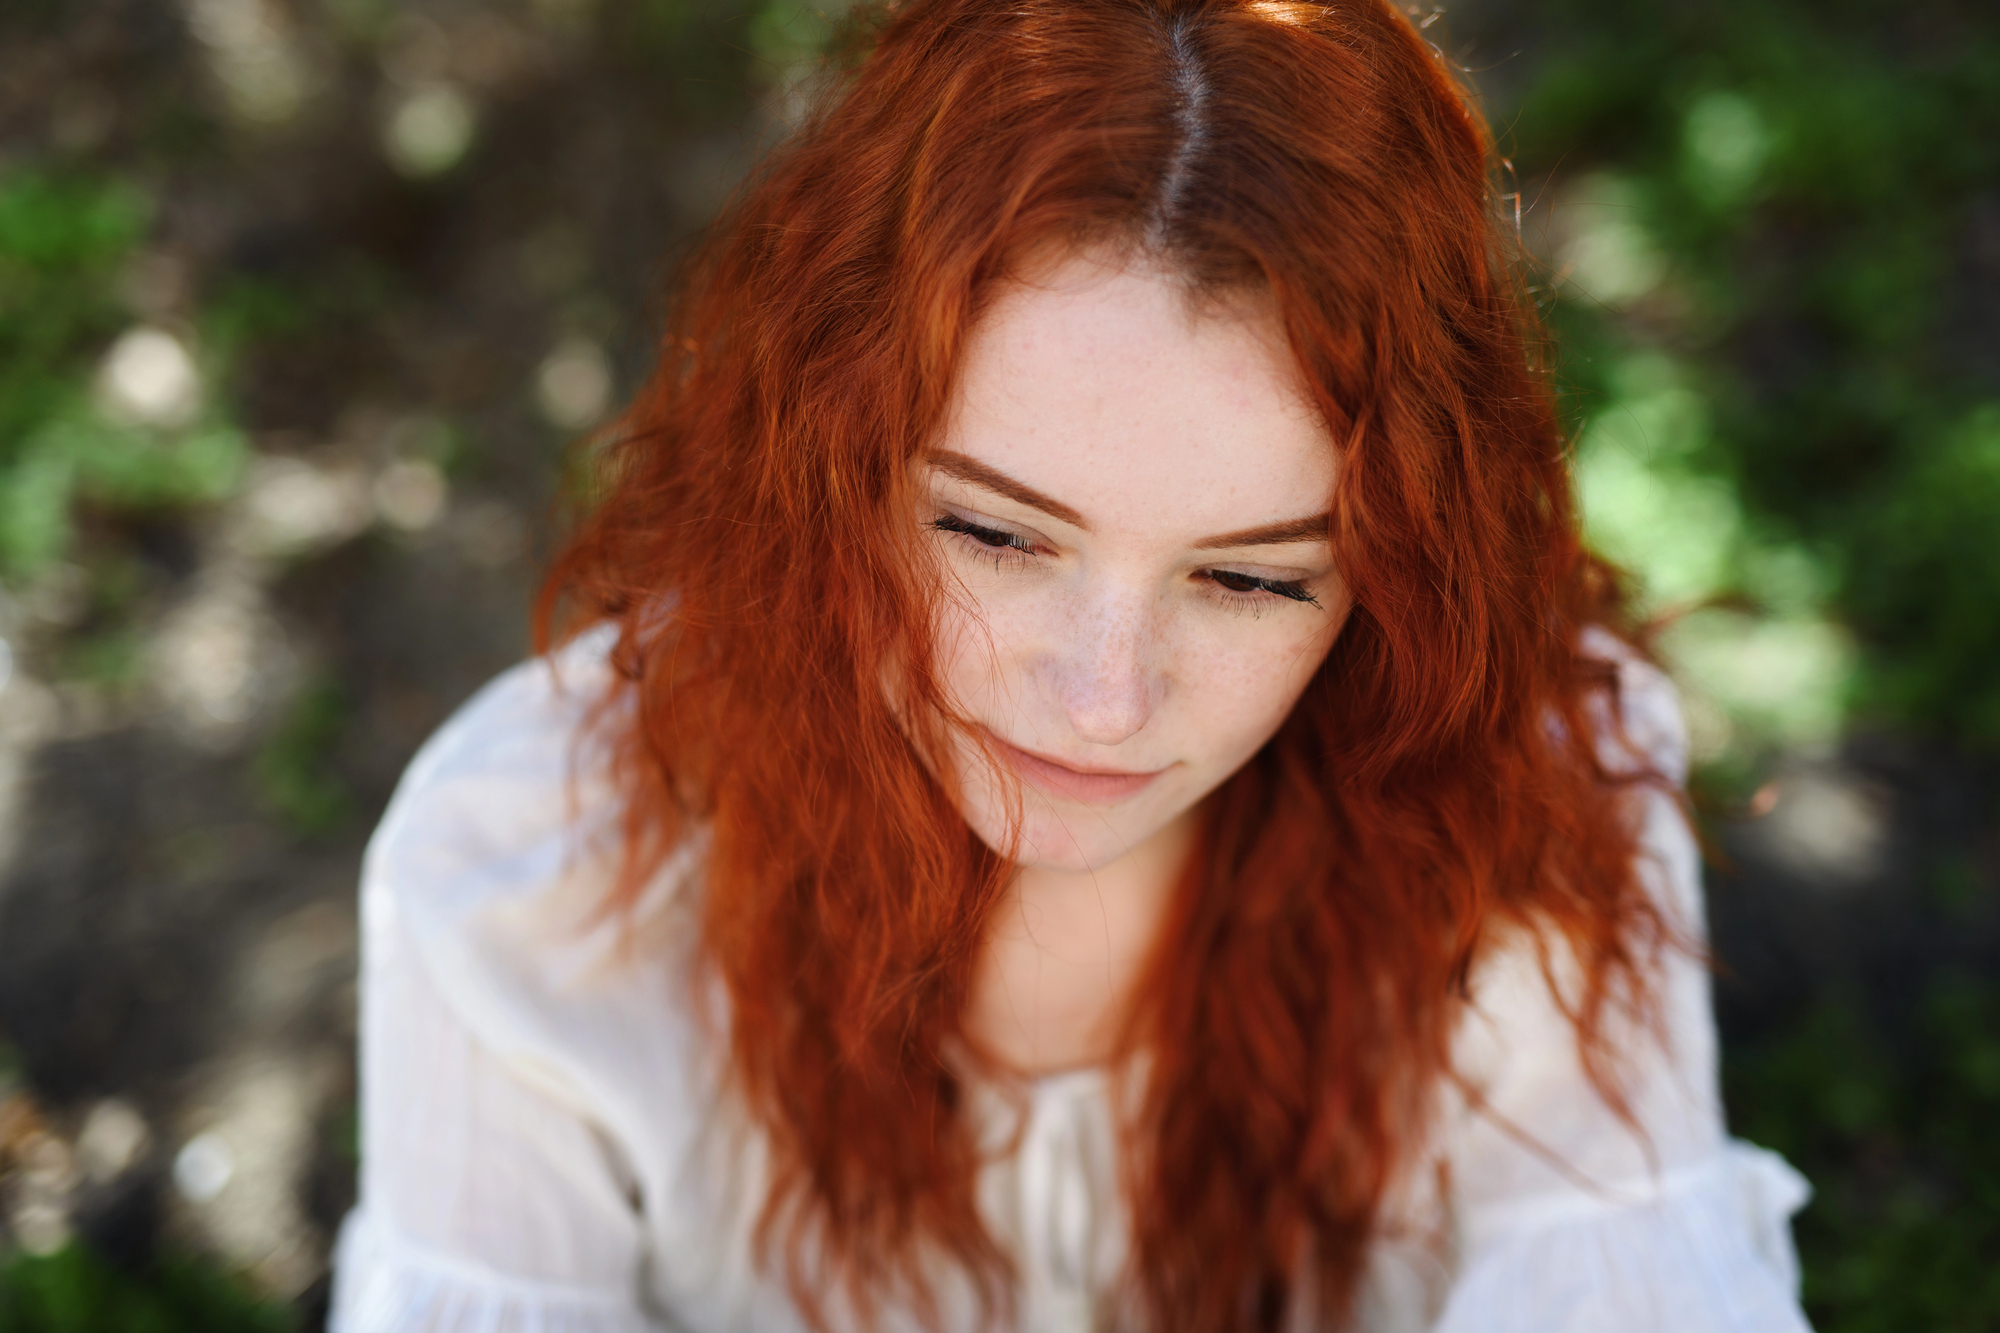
x: 1313, y: 529
x: 978, y: 474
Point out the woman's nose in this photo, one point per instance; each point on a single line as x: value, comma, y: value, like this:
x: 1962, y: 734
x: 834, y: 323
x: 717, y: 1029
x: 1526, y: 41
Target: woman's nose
x: 1109, y: 687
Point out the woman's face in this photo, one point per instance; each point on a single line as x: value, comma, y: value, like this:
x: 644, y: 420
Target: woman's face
x: 1131, y: 501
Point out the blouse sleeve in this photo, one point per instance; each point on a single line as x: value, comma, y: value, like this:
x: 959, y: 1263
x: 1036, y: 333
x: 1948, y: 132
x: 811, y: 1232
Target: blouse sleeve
x: 1566, y: 1219
x: 492, y: 1200
x: 486, y: 1204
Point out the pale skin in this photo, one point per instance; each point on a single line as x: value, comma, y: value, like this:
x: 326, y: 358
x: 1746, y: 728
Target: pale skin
x: 1129, y: 500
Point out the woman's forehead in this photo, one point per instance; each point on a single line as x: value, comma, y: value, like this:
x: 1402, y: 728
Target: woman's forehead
x: 1104, y: 388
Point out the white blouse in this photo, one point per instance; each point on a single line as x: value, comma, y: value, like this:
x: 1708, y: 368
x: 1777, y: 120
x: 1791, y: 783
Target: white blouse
x: 545, y: 1149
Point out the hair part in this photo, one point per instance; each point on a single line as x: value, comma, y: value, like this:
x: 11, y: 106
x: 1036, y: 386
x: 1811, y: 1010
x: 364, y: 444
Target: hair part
x: 1191, y: 90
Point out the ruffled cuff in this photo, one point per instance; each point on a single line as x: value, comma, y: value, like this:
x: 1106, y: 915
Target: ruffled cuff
x: 386, y: 1284
x: 1712, y: 1253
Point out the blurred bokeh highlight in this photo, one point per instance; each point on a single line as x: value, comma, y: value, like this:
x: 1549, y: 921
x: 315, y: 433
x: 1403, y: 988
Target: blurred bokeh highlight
x: 301, y: 301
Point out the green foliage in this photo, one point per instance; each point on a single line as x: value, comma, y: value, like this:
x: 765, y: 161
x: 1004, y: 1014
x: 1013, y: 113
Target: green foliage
x: 1898, y: 1141
x: 58, y: 225
x: 75, y: 1291
x: 702, y: 44
x: 246, y: 310
x: 345, y: 1134
x: 63, y: 240
x: 1935, y: 531
x: 295, y: 772
x: 790, y: 32
x: 1774, y: 208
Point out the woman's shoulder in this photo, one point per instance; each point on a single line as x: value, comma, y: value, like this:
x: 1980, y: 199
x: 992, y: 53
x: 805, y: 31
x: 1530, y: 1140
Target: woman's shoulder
x: 1649, y: 729
x: 1517, y: 1043
x: 493, y: 868
x: 1640, y: 733
x: 501, y: 775
x: 512, y: 801
x: 1565, y: 1199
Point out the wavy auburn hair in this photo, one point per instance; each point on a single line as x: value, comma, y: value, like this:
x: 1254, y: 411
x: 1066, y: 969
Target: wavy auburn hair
x: 751, y: 531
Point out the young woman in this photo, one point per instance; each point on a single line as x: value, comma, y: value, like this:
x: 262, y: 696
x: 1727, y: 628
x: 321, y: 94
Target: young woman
x: 1090, y: 782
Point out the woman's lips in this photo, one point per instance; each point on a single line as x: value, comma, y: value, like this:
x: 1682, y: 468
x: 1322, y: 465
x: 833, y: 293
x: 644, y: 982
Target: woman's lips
x: 1098, y: 786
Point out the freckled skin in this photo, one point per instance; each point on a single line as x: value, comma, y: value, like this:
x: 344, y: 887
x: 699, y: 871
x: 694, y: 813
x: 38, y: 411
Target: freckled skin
x: 1111, y: 645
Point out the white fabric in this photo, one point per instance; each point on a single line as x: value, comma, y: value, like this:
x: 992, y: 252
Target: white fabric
x: 545, y: 1149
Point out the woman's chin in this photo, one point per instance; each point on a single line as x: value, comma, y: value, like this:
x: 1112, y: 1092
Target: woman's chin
x: 1076, y: 845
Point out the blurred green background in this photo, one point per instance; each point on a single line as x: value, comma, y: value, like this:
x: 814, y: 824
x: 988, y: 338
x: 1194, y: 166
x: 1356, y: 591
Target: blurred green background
x: 300, y: 299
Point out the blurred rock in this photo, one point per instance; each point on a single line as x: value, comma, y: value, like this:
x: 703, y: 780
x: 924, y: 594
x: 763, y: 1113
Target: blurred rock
x: 113, y: 1136
x: 148, y: 378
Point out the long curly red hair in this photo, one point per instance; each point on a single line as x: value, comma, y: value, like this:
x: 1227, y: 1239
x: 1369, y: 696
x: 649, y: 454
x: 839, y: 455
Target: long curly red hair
x: 749, y: 528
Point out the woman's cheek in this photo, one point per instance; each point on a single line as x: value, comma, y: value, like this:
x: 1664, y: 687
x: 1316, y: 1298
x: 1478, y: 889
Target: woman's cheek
x: 1244, y: 691
x: 980, y: 637
x: 963, y: 655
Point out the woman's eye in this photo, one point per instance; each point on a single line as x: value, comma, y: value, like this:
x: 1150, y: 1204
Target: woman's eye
x: 992, y: 537
x: 1245, y: 584
x: 1236, y: 582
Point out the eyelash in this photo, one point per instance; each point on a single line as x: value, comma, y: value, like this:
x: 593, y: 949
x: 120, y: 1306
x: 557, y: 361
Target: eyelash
x: 1003, y: 546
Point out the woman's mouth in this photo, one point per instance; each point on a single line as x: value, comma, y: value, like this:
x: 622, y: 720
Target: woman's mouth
x: 1091, y: 786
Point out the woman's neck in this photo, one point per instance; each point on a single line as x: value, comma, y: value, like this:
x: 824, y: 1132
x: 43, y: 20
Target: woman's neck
x: 1064, y: 951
